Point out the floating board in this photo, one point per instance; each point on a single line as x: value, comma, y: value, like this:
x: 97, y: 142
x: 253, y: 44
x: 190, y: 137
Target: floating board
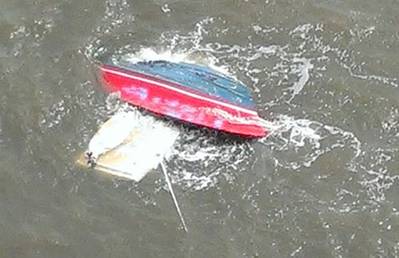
x: 129, y: 145
x: 187, y: 92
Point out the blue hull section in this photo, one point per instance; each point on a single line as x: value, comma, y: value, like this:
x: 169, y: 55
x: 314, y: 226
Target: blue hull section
x: 198, y: 78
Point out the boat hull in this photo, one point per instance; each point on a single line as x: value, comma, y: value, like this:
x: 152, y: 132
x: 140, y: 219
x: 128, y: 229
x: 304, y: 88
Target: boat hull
x: 177, y: 101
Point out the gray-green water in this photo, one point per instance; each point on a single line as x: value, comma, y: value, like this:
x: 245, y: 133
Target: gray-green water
x: 325, y: 186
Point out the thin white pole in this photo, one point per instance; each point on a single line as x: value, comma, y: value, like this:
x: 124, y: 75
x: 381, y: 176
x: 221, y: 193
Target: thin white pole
x: 173, y: 196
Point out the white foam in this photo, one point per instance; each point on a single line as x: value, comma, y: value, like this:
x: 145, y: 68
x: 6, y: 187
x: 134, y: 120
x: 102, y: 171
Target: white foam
x: 152, y: 54
x: 303, y: 141
x: 303, y: 70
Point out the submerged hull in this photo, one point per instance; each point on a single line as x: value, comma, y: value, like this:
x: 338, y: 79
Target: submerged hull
x: 172, y: 98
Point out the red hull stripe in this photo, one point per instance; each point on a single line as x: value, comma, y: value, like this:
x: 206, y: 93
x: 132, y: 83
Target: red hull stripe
x: 171, y: 87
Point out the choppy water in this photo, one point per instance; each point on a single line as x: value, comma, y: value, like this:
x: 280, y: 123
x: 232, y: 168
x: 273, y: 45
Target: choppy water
x: 324, y: 185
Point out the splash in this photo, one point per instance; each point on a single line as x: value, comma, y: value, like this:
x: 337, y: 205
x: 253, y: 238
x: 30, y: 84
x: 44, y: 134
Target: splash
x: 201, y: 159
x: 299, y: 143
x: 152, y: 54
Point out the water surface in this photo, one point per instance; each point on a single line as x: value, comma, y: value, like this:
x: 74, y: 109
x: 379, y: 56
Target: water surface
x: 324, y: 185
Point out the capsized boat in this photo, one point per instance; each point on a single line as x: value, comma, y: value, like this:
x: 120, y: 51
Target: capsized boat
x: 187, y: 92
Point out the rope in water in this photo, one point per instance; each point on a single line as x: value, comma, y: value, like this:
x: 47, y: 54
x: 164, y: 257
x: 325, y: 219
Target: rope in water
x: 173, y: 196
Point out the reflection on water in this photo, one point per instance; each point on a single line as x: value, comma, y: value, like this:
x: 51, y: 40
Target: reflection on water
x: 323, y: 185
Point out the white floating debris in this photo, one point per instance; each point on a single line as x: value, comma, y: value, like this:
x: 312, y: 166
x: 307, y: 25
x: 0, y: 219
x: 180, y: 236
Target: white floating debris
x: 165, y: 8
x: 129, y: 145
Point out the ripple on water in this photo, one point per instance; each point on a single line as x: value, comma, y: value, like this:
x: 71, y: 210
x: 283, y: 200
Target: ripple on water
x: 1, y: 134
x: 325, y: 183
